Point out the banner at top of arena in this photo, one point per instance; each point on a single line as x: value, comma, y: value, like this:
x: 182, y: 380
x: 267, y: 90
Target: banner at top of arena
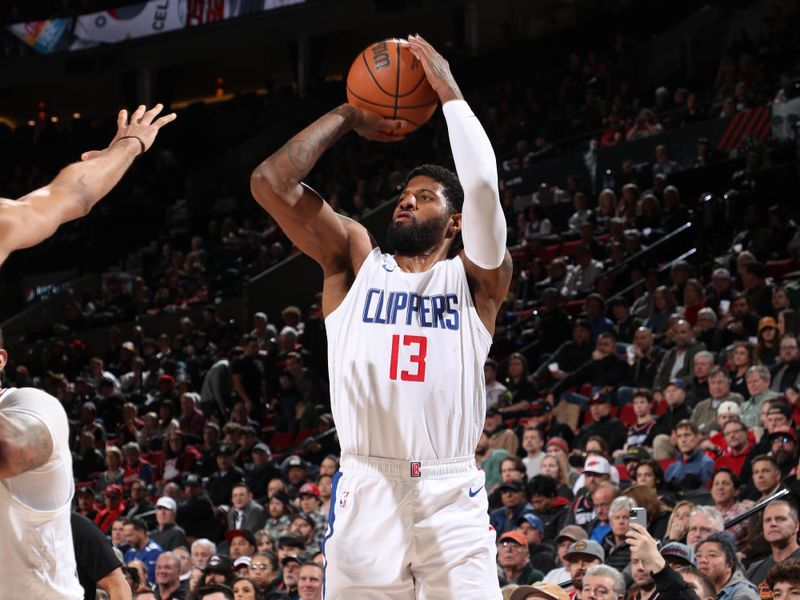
x: 134, y: 21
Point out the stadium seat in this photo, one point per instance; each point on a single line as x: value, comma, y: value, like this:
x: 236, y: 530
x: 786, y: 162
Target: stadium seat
x: 626, y: 415
x: 777, y: 269
x: 548, y: 253
x: 303, y: 435
x: 569, y: 248
x: 281, y: 440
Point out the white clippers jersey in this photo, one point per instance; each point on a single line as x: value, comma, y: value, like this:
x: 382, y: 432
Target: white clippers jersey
x: 405, y: 356
x: 36, y: 548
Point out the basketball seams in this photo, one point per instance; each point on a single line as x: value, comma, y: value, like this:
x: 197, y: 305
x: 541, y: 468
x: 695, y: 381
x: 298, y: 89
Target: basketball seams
x: 397, y: 79
x: 399, y: 106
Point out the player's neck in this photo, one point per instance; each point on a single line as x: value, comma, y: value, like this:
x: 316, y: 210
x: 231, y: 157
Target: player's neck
x: 419, y: 263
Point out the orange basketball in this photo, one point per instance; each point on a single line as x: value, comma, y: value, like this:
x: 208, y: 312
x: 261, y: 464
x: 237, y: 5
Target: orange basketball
x: 387, y: 79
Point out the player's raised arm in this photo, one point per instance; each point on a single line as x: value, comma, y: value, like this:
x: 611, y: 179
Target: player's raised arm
x: 483, y: 225
x: 78, y: 187
x: 276, y: 184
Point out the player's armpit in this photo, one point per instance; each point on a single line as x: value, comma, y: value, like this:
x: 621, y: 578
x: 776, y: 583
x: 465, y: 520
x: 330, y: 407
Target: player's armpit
x: 489, y: 287
x: 25, y: 444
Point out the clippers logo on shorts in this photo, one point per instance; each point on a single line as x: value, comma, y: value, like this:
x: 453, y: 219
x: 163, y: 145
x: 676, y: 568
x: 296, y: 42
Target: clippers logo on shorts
x: 439, y: 311
x: 416, y: 469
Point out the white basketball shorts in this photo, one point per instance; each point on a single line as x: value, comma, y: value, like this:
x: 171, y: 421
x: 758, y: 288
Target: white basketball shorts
x: 400, y: 530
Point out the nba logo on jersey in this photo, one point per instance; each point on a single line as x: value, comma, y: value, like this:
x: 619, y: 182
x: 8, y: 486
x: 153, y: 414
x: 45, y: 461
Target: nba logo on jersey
x: 416, y: 469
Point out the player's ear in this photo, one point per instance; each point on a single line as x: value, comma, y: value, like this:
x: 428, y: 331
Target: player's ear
x: 454, y: 227
x: 3, y: 359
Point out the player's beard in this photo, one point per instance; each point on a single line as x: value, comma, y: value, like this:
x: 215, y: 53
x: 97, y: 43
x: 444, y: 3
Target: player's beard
x: 414, y: 237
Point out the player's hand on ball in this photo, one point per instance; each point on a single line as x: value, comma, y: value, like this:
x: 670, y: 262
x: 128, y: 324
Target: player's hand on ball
x: 142, y: 124
x: 437, y: 69
x: 374, y: 127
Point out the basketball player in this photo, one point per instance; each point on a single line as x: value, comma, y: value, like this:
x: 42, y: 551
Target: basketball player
x: 408, y: 335
x: 36, y: 483
x: 78, y: 187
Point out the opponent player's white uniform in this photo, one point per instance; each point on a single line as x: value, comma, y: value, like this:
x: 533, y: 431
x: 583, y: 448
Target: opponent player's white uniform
x: 36, y: 549
x: 408, y: 506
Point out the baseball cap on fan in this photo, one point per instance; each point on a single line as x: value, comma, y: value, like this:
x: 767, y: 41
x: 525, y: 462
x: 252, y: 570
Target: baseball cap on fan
x: 597, y: 464
x: 540, y: 589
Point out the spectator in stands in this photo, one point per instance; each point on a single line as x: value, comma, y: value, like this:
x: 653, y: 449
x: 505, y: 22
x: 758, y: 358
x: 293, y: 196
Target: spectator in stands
x: 716, y: 558
x: 112, y: 509
x: 703, y: 521
x: 766, y: 481
x: 245, y: 512
x: 500, y: 434
x: 786, y: 372
x: 135, y: 466
x: 780, y: 531
x: 645, y: 125
x: 595, y: 470
x: 618, y: 553
x: 202, y: 550
x: 167, y: 577
x: 739, y: 323
x: 697, y: 385
x: 737, y: 447
x: 139, y: 504
x: 195, y: 511
x: 513, y: 498
x: 242, y: 543
x: 494, y: 389
x: 553, y: 510
x: 179, y: 457
x: 571, y: 354
x: 694, y: 468
x: 758, y: 386
x: 646, y: 359
x: 724, y: 489
x: 625, y: 324
x: 521, y: 390
x: 191, y: 418
x: 169, y: 535
x: 602, y: 499
x: 514, y: 560
x: 662, y: 306
x: 604, y: 372
x: 114, y: 473
x: 141, y: 546
x: 582, y: 214
x: 555, y: 467
x: 677, y: 362
x: 581, y: 556
x: 533, y: 444
x: 603, y: 424
x: 664, y: 165
x: 582, y: 275
x: 220, y: 484
x: 704, y: 415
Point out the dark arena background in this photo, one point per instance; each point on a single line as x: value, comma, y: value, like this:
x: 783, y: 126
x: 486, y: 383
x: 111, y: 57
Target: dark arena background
x: 645, y: 355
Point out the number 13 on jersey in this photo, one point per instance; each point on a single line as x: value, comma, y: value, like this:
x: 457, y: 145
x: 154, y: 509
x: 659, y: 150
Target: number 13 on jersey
x: 415, y: 355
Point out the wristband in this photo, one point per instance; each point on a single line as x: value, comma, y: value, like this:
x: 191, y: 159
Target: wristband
x: 133, y: 137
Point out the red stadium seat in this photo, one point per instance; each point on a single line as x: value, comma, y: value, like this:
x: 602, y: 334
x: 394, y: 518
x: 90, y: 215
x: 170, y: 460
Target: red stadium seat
x: 662, y: 407
x: 626, y: 415
x: 569, y: 248
x: 280, y: 440
x: 304, y: 434
x: 777, y: 269
x: 665, y: 462
x: 575, y: 307
x: 548, y: 253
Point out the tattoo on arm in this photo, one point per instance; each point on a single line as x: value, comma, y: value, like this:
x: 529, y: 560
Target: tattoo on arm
x: 37, y: 448
x: 305, y: 149
x: 28, y: 441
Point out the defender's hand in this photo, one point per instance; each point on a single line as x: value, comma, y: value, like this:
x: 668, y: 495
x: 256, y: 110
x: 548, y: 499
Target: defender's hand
x: 141, y: 125
x: 437, y: 69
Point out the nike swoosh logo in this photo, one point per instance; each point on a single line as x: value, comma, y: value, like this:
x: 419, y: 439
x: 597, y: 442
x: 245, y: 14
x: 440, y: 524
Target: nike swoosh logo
x: 475, y: 493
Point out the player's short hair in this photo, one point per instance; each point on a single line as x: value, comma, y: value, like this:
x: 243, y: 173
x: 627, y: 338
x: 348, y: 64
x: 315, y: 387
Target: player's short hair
x: 726, y: 544
x: 208, y: 544
x: 270, y: 557
x: 792, y: 508
x: 454, y: 193
x: 642, y: 393
x: 785, y: 571
x: 207, y: 590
